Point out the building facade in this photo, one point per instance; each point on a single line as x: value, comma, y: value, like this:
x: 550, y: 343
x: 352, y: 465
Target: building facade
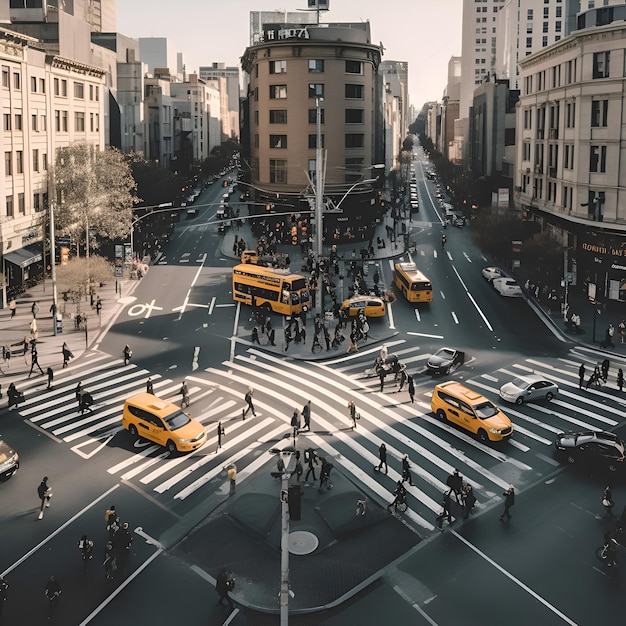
x: 231, y: 86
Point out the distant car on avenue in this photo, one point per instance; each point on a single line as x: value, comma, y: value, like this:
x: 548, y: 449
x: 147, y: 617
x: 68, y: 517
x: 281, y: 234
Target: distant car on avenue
x: 489, y: 273
x: 507, y: 287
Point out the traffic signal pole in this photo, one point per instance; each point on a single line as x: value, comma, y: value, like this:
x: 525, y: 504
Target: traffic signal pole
x: 285, y: 592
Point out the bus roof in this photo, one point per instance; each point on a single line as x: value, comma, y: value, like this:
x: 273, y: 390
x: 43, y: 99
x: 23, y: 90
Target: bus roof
x: 407, y: 267
x: 411, y: 270
x: 249, y: 268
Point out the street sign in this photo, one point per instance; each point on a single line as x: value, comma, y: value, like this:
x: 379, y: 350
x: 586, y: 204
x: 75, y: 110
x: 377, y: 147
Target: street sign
x: 62, y: 240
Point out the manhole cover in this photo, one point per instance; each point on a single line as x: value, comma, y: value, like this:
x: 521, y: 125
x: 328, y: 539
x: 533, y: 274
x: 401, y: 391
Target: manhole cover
x: 302, y: 542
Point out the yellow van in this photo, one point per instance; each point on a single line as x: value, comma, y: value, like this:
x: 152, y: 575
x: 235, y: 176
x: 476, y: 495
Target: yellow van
x: 157, y: 420
x: 467, y: 408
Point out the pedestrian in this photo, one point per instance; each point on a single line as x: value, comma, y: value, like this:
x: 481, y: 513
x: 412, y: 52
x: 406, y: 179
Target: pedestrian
x: 4, y: 586
x: 45, y: 493
x: 98, y: 306
x: 620, y: 379
x: 110, y: 515
x: 299, y: 469
x: 469, y: 501
x: 605, y: 369
x: 621, y: 327
x: 295, y: 421
x: 382, y: 455
x: 607, y: 501
x: 184, y: 392
x: 406, y: 470
x: 232, y: 477
x: 250, y: 406
x: 6, y: 355
x: 271, y: 334
x: 224, y: 584
x: 34, y: 331
x: 288, y: 338
x: 110, y: 565
x: 52, y: 591
x: 400, y: 496
x: 403, y: 376
x: 581, y: 375
x: 255, y: 335
x: 327, y: 466
x: 13, y: 395
x: 509, y: 501
x: 353, y: 414
x: 50, y: 374
x: 34, y: 309
x: 127, y: 353
x: 34, y: 362
x: 85, y: 546
x: 411, y: 389
x: 149, y: 386
x: 381, y: 375
x: 122, y: 542
x: 311, y: 460
x: 67, y: 354
x: 352, y: 347
x: 610, y: 544
x: 12, y: 307
x: 220, y: 433
x: 306, y: 414
x: 327, y: 339
x: 79, y: 393
x: 86, y: 400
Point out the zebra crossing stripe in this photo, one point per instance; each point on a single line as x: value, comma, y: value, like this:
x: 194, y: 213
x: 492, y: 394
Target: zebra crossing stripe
x: 133, y: 459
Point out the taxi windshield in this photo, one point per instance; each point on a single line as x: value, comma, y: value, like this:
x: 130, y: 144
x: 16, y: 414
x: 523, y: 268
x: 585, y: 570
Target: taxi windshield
x: 485, y: 410
x: 176, y: 420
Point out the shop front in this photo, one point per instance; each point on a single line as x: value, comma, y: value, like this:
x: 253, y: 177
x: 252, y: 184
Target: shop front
x: 21, y: 268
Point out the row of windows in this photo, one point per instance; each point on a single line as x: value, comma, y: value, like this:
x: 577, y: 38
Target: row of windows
x: 352, y: 116
x: 14, y: 163
x: 38, y: 122
x: 316, y: 66
x: 279, y: 142
x: 597, y: 158
x: 39, y: 202
x: 599, y: 117
x: 316, y: 90
x: 38, y: 85
x: 279, y: 167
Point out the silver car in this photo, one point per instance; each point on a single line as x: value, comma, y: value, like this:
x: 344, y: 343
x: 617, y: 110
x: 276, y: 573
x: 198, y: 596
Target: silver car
x: 525, y: 388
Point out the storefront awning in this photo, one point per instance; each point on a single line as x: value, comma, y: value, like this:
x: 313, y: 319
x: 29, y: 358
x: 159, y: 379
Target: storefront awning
x: 25, y: 256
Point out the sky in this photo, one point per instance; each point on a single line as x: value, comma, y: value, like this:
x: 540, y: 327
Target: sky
x: 426, y: 33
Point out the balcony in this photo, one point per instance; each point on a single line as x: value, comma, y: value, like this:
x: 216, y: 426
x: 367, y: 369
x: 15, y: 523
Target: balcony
x: 554, y: 133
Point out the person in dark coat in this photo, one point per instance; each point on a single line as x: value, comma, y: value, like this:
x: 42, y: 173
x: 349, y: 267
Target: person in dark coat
x: 382, y: 455
x: 53, y: 592
x: 34, y: 363
x: 86, y: 400
x: 411, y: 387
x: 149, y: 386
x: 50, y: 373
x: 255, y: 335
x: 220, y: 433
x: 581, y: 375
x: 248, y: 399
x: 14, y: 395
x: 310, y: 459
x: 509, y: 501
x: 620, y: 379
x: 406, y: 470
x: 223, y: 584
x: 381, y: 375
x: 306, y: 414
x: 45, y: 493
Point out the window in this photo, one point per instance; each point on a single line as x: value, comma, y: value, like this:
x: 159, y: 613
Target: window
x: 9, y: 206
x: 599, y: 111
x: 97, y: 92
x: 63, y: 88
x: 42, y: 124
x: 355, y: 116
x: 354, y: 92
x: 570, y: 115
x: 354, y: 67
x: 33, y: 84
x: 529, y: 42
x: 313, y: 141
x: 56, y: 86
x: 278, y: 116
x: 35, y: 160
x: 79, y: 91
x: 18, y: 121
x: 8, y: 164
x: 278, y: 92
x: 278, y: 141
x: 57, y: 121
x: 567, y: 197
x: 527, y: 119
x: 64, y: 121
x: 33, y: 122
x: 316, y: 65
x: 19, y: 162
x: 312, y: 170
x: 316, y: 90
x: 37, y: 202
x: 313, y: 116
x: 278, y: 171
x: 5, y: 76
x: 525, y: 151
x: 42, y: 85
x: 17, y: 80
x: 21, y: 205
x: 546, y: 28
x: 79, y: 121
x: 354, y: 140
x: 570, y: 71
x: 7, y: 121
x: 601, y: 64
x: 597, y: 159
x: 44, y: 161
x: 568, y: 156
x: 278, y: 67
x: 256, y: 140
x: 256, y: 118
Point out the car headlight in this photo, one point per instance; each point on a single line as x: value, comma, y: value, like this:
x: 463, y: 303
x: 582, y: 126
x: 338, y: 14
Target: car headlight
x: 494, y: 430
x: 181, y: 440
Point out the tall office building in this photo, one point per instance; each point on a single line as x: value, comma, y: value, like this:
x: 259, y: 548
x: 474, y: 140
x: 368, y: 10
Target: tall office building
x: 215, y: 72
x: 157, y: 52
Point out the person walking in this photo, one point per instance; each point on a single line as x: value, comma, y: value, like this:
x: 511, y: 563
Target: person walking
x: 406, y: 470
x: 509, y: 501
x: 4, y: 587
x: 250, y: 406
x: 127, y: 353
x: 382, y: 455
x: 620, y: 379
x: 12, y: 307
x: 353, y: 347
x: 34, y: 309
x: 184, y: 392
x: 403, y: 376
x: 411, y: 387
x: 50, y: 373
x: 67, y: 354
x: 110, y: 565
x: 607, y: 501
x: 581, y: 375
x: 122, y: 543
x: 13, y: 395
x: 110, y: 515
x: 86, y: 400
x: 223, y: 584
x: 299, y: 469
x: 255, y: 335
x: 306, y: 414
x: 45, y: 493
x: 353, y: 413
x: 621, y: 328
x: 220, y: 433
x: 469, y: 500
x: 52, y: 591
x: 34, y: 362
x: 149, y: 386
x: 232, y: 478
x: 78, y: 392
x: 381, y: 375
x: 311, y: 460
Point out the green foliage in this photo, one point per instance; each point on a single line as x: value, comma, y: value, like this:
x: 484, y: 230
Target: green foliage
x: 79, y: 273
x: 154, y: 184
x: 493, y: 233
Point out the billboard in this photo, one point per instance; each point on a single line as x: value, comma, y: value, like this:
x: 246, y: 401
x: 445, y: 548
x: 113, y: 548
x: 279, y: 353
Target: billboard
x: 320, y: 5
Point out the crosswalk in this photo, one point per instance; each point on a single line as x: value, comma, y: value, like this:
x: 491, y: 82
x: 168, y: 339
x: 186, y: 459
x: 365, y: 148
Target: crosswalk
x: 281, y: 386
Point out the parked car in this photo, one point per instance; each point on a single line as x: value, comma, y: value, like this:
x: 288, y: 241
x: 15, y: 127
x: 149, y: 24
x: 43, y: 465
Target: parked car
x: 372, y: 306
x: 445, y: 360
x: 531, y: 387
x: 489, y: 273
x: 507, y: 287
x: 9, y: 460
x: 591, y: 447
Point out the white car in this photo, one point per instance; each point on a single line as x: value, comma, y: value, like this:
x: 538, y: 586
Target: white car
x: 507, y: 287
x: 532, y: 387
x: 489, y: 273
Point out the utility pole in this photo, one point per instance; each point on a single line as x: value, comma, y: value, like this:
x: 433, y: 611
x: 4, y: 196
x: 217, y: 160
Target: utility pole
x: 53, y: 265
x: 285, y: 591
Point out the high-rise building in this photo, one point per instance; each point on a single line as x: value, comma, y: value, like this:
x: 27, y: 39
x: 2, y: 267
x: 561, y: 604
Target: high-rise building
x: 157, y: 52
x: 217, y: 71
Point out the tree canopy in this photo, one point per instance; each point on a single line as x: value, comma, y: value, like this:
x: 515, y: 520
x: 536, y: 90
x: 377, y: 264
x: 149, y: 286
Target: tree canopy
x: 95, y: 190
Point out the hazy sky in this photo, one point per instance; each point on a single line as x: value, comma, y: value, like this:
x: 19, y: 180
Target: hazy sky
x: 426, y: 33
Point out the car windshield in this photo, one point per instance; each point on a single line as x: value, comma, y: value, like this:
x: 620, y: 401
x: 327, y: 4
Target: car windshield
x: 520, y: 383
x: 176, y: 420
x: 445, y: 353
x: 485, y: 409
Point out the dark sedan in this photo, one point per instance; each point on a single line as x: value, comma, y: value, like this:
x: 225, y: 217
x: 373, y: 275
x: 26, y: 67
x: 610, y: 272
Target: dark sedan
x: 9, y: 461
x: 591, y: 447
x: 445, y: 360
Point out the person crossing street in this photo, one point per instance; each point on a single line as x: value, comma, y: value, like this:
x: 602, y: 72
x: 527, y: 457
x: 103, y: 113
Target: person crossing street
x: 250, y: 406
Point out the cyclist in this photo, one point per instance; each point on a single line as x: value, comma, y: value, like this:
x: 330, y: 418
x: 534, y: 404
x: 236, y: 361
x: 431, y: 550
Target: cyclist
x: 184, y: 392
x: 400, y: 496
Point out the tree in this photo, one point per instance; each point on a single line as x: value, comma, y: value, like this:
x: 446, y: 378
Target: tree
x: 94, y: 190
x: 75, y: 278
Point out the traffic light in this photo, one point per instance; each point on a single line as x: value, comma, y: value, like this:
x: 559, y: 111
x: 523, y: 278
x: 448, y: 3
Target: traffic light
x: 294, y: 503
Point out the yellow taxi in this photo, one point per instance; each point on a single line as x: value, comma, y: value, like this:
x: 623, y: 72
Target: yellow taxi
x: 372, y: 306
x: 157, y: 420
x: 460, y: 405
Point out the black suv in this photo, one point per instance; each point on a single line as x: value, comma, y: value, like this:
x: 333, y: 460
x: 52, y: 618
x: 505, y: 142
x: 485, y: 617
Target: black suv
x: 597, y: 447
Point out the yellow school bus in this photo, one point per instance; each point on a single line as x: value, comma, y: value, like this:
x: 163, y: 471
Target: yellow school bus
x: 413, y: 285
x: 270, y: 288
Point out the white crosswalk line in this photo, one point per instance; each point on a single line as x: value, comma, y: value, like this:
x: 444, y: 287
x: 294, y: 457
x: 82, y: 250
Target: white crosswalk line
x: 133, y: 459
